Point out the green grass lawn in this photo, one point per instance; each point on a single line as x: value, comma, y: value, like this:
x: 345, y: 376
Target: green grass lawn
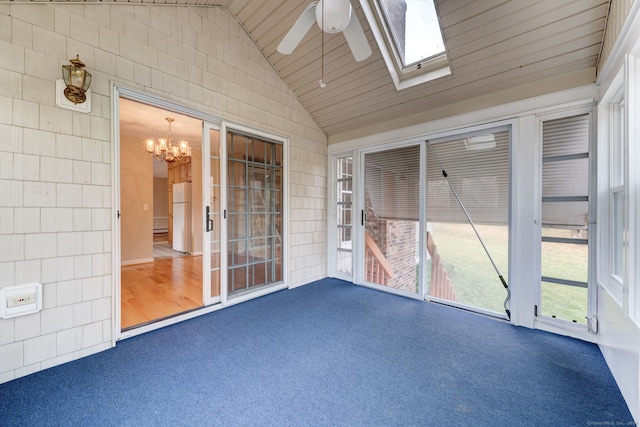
x: 477, y: 284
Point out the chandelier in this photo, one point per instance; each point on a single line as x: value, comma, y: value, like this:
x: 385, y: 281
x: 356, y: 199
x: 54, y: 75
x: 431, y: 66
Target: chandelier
x: 164, y: 149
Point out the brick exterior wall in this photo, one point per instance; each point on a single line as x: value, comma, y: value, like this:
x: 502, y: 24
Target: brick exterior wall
x: 401, y: 253
x: 397, y: 241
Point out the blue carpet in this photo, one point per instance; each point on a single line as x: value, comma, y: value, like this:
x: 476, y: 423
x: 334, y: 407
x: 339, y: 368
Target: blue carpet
x: 328, y: 353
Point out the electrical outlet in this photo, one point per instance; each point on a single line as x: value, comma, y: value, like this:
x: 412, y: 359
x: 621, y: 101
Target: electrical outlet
x: 22, y: 299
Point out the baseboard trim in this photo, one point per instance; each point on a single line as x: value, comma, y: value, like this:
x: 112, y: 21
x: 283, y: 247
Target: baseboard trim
x: 137, y: 261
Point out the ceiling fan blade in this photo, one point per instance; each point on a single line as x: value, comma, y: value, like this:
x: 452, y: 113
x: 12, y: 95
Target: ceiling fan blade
x: 299, y: 30
x: 356, y: 39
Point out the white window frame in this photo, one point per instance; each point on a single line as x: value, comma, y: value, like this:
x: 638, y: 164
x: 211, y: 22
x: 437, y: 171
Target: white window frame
x: 548, y: 323
x: 617, y: 187
x: 611, y: 139
x: 332, y: 197
x: 632, y: 176
x: 413, y: 74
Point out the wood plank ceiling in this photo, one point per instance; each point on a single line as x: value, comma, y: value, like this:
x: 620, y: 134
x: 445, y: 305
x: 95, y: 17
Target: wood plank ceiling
x: 493, y: 46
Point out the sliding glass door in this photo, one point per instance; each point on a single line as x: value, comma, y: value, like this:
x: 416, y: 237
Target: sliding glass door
x: 428, y: 219
x: 391, y: 218
x: 254, y: 204
x: 213, y: 247
x: 243, y: 213
x: 467, y: 220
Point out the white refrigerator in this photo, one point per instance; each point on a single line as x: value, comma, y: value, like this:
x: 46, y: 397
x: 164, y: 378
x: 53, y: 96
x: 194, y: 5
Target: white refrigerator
x: 182, y: 217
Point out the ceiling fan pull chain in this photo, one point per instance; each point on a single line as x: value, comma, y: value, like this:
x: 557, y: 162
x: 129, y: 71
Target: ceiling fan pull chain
x: 321, y: 82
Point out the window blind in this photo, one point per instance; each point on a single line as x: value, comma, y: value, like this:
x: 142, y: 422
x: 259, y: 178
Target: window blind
x: 565, y: 172
x: 478, y: 168
x: 392, y: 180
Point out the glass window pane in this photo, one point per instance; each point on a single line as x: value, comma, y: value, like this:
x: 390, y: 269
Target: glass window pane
x: 392, y: 208
x: 477, y: 167
x: 236, y: 173
x: 215, y: 282
x: 458, y: 268
x: 565, y: 261
x: 215, y: 256
x: 566, y: 136
x: 564, y: 302
x: 567, y: 214
x: 617, y: 163
x: 237, y: 279
x: 564, y: 233
x: 259, y: 148
x: 415, y: 29
x: 215, y: 198
x: 255, y: 211
x: 565, y: 178
x: 215, y: 171
x: 237, y: 146
x: 343, y: 214
x: 237, y: 226
x: 618, y: 234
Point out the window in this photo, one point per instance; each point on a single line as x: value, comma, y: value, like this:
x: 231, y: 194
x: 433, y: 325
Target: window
x: 565, y: 219
x: 410, y: 39
x: 617, y: 191
x: 414, y: 28
x: 613, y: 204
x: 344, y: 210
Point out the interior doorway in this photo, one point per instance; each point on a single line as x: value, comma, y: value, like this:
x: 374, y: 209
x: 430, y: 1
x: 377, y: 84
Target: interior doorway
x: 160, y: 216
x: 218, y: 239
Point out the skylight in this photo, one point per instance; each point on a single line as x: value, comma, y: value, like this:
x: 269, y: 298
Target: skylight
x: 410, y: 39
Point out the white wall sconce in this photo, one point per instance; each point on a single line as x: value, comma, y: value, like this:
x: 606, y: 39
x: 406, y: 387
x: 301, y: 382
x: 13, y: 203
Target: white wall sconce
x: 72, y: 91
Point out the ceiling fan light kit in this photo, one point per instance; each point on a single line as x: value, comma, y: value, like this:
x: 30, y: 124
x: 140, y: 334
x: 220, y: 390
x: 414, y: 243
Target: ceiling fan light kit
x: 332, y: 16
x: 337, y: 14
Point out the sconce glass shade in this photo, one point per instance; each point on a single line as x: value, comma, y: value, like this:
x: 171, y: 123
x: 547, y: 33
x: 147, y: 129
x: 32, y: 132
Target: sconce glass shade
x: 77, y: 80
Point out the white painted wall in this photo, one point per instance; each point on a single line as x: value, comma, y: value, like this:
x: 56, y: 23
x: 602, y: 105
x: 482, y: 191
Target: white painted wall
x: 619, y: 341
x: 56, y: 216
x: 619, y: 335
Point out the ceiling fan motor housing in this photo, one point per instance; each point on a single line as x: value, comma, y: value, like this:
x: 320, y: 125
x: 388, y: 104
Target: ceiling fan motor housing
x: 337, y: 14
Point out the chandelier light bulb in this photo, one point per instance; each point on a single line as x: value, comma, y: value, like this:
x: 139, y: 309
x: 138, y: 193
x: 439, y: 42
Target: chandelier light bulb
x: 164, y: 150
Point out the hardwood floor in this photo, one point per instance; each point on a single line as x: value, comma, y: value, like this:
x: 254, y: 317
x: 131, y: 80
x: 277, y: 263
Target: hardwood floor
x: 159, y: 289
x: 160, y: 237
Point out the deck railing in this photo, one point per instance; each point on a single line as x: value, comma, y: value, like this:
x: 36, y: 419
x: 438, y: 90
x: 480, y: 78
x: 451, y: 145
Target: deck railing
x: 378, y: 270
x: 440, y: 286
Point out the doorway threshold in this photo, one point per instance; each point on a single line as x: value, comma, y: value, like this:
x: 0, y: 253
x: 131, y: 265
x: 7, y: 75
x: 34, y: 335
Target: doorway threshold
x: 152, y: 325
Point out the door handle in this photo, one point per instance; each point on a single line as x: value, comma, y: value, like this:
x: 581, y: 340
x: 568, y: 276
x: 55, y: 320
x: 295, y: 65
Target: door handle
x: 209, y: 221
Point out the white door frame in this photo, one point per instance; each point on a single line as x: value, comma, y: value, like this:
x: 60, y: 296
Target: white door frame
x: 119, y: 91
x: 209, y: 122
x: 208, y: 300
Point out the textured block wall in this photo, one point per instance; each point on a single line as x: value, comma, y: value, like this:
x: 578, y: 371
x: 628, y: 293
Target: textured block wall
x: 56, y: 183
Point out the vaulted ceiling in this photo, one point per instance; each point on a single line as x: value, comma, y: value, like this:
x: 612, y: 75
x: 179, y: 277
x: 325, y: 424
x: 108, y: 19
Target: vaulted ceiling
x: 494, y: 46
x: 499, y: 51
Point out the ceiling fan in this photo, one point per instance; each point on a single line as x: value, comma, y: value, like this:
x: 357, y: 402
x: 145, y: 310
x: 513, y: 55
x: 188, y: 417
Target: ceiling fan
x: 338, y: 17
